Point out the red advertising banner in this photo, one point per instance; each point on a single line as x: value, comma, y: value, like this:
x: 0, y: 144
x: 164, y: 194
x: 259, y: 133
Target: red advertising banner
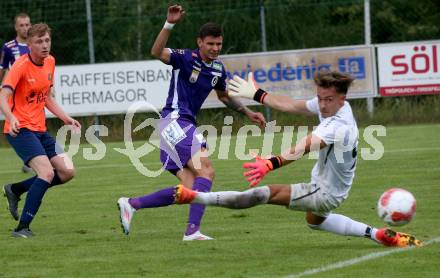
x: 409, y: 68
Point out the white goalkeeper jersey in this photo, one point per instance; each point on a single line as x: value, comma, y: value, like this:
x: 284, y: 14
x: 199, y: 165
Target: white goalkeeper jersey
x: 334, y: 170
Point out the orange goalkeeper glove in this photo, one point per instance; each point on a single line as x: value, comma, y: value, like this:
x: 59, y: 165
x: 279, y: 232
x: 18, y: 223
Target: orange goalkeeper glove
x: 260, y: 168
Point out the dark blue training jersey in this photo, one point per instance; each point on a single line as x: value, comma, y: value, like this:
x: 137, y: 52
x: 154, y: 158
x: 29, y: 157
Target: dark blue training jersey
x: 191, y: 82
x: 10, y: 52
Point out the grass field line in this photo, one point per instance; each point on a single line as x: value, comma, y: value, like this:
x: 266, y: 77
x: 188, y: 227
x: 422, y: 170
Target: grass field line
x: 413, y: 150
x: 357, y: 260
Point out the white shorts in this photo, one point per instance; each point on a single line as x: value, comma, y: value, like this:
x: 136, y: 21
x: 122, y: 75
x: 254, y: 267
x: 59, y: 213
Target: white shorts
x: 311, y: 197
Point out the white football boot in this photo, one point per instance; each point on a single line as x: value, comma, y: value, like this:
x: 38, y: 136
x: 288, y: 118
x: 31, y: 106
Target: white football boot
x: 126, y: 214
x: 196, y: 236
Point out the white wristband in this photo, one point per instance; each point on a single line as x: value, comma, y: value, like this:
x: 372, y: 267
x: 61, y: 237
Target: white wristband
x: 168, y: 25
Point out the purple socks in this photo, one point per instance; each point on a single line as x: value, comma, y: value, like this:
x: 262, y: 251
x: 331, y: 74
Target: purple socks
x: 161, y: 198
x: 165, y: 197
x: 196, y: 211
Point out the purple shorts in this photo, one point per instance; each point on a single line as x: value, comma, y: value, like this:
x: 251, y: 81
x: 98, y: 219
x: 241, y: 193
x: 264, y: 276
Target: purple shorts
x: 179, y: 141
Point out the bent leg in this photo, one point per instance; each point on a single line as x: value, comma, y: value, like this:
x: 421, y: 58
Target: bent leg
x: 339, y: 224
x: 63, y: 172
x: 64, y: 169
x: 186, y: 177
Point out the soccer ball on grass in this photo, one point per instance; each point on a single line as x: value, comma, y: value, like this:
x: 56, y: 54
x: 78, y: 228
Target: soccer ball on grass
x: 396, y: 207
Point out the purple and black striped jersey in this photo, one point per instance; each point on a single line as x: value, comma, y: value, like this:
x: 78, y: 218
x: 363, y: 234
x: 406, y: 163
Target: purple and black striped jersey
x: 10, y: 52
x: 191, y: 82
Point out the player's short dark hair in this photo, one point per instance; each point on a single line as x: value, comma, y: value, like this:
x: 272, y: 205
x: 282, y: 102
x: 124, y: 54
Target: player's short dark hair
x: 20, y: 15
x: 327, y: 79
x: 39, y: 30
x: 210, y: 29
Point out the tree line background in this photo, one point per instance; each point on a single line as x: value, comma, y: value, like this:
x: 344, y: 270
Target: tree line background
x: 125, y: 30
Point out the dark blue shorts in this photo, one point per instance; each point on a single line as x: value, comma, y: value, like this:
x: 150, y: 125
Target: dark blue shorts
x: 179, y: 141
x: 29, y: 144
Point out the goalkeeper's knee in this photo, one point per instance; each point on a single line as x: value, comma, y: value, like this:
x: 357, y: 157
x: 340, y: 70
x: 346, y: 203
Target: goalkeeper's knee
x: 313, y: 226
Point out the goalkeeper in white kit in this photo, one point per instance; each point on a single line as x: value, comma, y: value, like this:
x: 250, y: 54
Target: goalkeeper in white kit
x: 336, y: 138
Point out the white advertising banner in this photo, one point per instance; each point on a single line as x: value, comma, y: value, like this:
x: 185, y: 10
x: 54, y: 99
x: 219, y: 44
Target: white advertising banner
x: 111, y: 88
x: 409, y: 68
x: 291, y: 72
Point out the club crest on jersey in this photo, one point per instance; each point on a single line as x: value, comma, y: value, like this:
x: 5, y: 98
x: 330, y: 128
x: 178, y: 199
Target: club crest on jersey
x: 214, y: 81
x: 194, y: 76
x: 217, y: 66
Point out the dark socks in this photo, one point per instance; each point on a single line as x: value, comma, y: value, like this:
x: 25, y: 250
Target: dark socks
x: 21, y: 187
x: 33, y: 201
x: 56, y: 180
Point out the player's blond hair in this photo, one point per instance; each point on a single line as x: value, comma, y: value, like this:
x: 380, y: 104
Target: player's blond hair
x: 340, y: 81
x: 20, y: 15
x: 39, y: 30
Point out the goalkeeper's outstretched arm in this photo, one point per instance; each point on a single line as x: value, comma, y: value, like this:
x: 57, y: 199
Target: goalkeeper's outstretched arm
x: 239, y: 87
x: 261, y: 167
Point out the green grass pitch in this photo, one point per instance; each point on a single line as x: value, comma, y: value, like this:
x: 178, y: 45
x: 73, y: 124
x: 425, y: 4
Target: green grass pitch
x: 78, y: 234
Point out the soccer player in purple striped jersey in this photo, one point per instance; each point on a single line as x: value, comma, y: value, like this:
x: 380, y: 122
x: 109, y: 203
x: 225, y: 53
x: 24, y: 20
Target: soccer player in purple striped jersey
x: 183, y: 150
x: 11, y: 50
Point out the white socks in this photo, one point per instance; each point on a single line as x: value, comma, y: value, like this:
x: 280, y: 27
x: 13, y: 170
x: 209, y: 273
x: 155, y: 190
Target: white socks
x: 342, y: 225
x: 334, y: 223
x: 234, y: 199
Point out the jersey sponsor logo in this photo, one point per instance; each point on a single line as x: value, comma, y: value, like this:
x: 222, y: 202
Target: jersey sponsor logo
x: 216, y: 73
x: 31, y: 80
x: 173, y: 133
x: 194, y: 76
x: 214, y: 81
x: 179, y: 51
x: 217, y: 66
x: 36, y: 98
x: 30, y: 97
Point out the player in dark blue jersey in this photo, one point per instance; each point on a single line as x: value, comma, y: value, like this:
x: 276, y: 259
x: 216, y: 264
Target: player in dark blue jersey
x: 11, y: 50
x: 183, y: 150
